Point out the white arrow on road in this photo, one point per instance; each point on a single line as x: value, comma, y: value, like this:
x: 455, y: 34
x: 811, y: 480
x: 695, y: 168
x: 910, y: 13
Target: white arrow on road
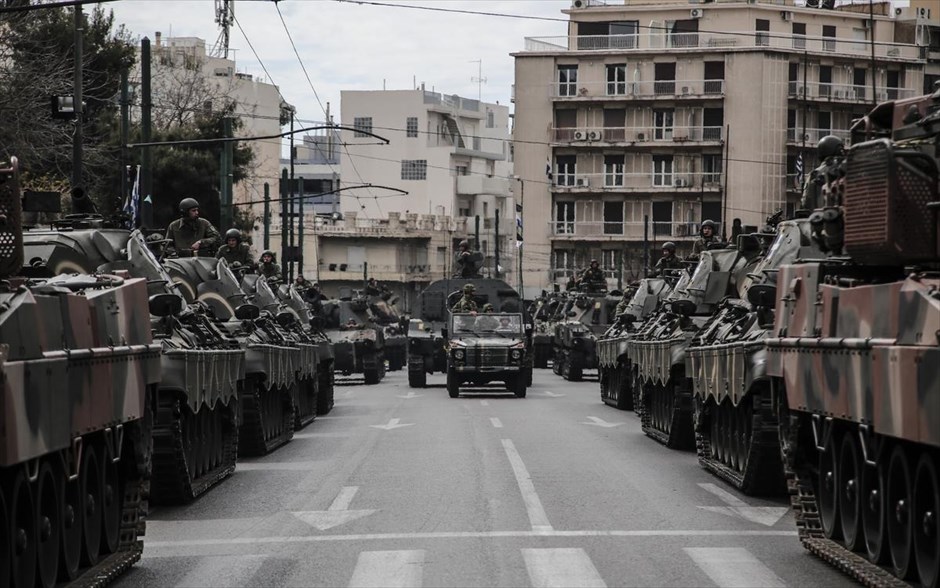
x: 737, y: 508
x: 410, y: 395
x: 601, y: 422
x: 551, y: 394
x: 392, y: 424
x: 337, y: 514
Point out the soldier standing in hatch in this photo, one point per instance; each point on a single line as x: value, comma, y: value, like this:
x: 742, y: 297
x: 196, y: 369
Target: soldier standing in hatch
x: 463, y: 267
x: 827, y: 148
x: 669, y: 260
x: 706, y: 238
x: 235, y: 250
x: 593, y: 275
x: 268, y: 266
x: 466, y: 302
x: 192, y: 235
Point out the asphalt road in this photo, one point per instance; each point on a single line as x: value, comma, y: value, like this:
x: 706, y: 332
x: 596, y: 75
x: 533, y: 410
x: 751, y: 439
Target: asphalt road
x: 401, y: 487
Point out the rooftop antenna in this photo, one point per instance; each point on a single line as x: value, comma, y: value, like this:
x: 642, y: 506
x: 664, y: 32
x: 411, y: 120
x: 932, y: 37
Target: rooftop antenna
x: 479, y: 79
x: 224, y: 17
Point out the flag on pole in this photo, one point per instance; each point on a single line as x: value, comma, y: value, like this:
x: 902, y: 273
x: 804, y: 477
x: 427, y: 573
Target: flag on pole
x: 518, y: 225
x: 799, y: 171
x: 132, y: 203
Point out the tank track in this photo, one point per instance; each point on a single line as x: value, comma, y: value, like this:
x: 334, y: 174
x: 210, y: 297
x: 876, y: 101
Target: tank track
x: 171, y: 481
x: 373, y: 367
x: 806, y: 511
x: 326, y: 388
x: 253, y: 442
x: 301, y: 418
x: 615, y: 378
x: 681, y: 419
x: 763, y: 454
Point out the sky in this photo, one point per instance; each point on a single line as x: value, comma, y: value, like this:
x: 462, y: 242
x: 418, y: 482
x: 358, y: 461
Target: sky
x: 346, y: 46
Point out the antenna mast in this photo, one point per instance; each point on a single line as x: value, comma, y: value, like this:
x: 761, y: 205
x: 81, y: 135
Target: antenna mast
x: 224, y: 17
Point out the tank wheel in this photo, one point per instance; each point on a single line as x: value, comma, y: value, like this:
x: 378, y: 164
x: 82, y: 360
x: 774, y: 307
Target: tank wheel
x: 5, y: 554
x: 71, y: 530
x: 829, y: 489
x: 715, y: 428
x: 927, y: 521
x: 873, y: 511
x: 417, y: 379
x: 48, y: 525
x: 850, y: 467
x: 92, y: 501
x: 453, y: 386
x: 22, y: 532
x: 111, y: 493
x: 734, y: 434
x: 900, y: 515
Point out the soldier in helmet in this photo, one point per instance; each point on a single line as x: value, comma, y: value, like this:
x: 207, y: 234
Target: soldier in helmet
x: 486, y: 321
x: 235, y: 250
x: 593, y: 276
x: 707, y: 237
x: 463, y: 262
x: 829, y: 149
x: 668, y: 261
x: 190, y: 234
x: 268, y: 267
x: 301, y: 283
x: 466, y: 302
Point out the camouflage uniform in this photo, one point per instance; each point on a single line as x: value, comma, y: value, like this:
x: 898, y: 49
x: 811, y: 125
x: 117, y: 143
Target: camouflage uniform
x: 702, y: 243
x: 241, y: 254
x: 270, y: 270
x: 666, y: 263
x: 183, y: 232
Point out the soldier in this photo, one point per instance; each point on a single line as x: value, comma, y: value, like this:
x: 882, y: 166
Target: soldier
x: 268, y: 266
x: 464, y: 264
x: 669, y: 260
x: 487, y: 308
x: 314, y: 297
x: 191, y: 235
x: 235, y: 251
x: 572, y: 283
x: 486, y: 321
x: 628, y: 293
x: 466, y: 302
x: 707, y: 237
x: 829, y: 147
x: 593, y: 275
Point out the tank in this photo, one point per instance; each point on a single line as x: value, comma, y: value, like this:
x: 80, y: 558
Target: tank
x: 544, y: 318
x: 615, y: 371
x: 584, y: 317
x: 384, y: 310
x: 268, y: 393
x: 79, y: 372
x: 426, y: 353
x: 201, y: 365
x: 854, y: 351
x: 310, y: 323
x: 358, y: 341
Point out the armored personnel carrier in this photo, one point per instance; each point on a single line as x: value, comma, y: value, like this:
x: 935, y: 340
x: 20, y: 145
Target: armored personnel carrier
x: 384, y: 312
x: 544, y: 316
x: 854, y: 351
x: 585, y: 316
x: 426, y: 349
x: 358, y: 342
x: 79, y: 371
x: 310, y: 323
x: 487, y: 347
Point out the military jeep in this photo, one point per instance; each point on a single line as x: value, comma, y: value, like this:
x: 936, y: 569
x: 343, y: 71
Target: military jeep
x: 484, y: 348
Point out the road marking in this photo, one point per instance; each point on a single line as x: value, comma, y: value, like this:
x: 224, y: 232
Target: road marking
x: 344, y: 498
x: 496, y: 422
x: 260, y: 466
x: 391, y: 569
x: 224, y: 570
x: 319, y: 435
x: 551, y: 568
x: 737, y: 508
x: 600, y: 423
x: 551, y: 394
x: 733, y: 567
x: 392, y: 424
x: 484, y: 403
x: 533, y: 505
x: 410, y: 395
x: 337, y: 514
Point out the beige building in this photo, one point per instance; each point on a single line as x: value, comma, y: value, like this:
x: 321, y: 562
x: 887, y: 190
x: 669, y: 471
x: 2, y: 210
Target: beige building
x: 677, y: 111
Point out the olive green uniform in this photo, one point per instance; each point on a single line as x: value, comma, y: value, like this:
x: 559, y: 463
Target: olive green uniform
x: 269, y: 270
x: 183, y: 232
x: 702, y: 243
x: 465, y: 304
x: 241, y: 254
x: 666, y: 263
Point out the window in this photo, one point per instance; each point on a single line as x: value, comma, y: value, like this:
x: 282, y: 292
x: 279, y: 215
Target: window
x: 615, y: 120
x: 894, y: 81
x: 564, y: 218
x: 613, y: 171
x: 566, y: 122
x: 711, y: 168
x: 567, y: 80
x: 462, y: 170
x: 829, y: 40
x: 799, y: 35
x: 363, y: 125
x: 665, y: 78
x: 623, y: 34
x: 616, y: 79
x: 791, y: 125
x: 825, y: 80
x: 793, y: 74
x: 411, y: 126
x: 490, y: 119
x: 714, y: 76
x: 662, y: 125
x: 684, y: 33
x: 762, y: 34
x: 858, y: 80
x: 824, y: 120
x: 563, y: 262
x: 565, y: 168
x: 414, y: 169
x: 613, y: 218
x: 662, y: 218
x: 607, y: 35
x: 662, y: 170
x: 713, y: 122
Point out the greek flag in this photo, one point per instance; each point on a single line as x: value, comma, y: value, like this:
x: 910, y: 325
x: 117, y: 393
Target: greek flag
x: 518, y: 225
x: 132, y: 203
x: 799, y: 171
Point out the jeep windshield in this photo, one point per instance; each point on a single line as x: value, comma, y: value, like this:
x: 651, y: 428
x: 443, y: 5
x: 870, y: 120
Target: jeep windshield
x: 488, y: 324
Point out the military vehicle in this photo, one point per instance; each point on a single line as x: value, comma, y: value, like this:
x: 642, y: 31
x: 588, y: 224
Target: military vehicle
x: 426, y: 343
x: 487, y: 347
x: 385, y: 313
x: 615, y: 370
x: 268, y: 394
x: 543, y: 317
x: 195, y: 425
x: 79, y: 371
x: 854, y: 351
x: 586, y: 314
x: 358, y: 342
x: 310, y: 323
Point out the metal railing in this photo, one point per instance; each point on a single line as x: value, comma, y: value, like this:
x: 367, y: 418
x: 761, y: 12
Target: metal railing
x: 613, y: 181
x: 671, y: 134
x: 638, y: 88
x: 625, y: 229
x: 847, y: 92
x: 812, y: 136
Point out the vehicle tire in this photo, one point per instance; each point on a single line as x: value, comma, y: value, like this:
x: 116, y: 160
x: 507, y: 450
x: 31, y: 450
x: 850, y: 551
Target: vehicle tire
x: 528, y: 377
x: 453, y: 385
x: 371, y: 376
x: 417, y: 379
x: 519, y: 386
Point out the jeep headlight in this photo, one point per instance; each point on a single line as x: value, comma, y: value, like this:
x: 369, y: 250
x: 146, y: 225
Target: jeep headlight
x: 515, y: 354
x: 459, y: 354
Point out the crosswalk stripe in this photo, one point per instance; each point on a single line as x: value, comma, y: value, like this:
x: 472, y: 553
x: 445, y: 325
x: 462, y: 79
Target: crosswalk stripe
x: 223, y: 571
x: 570, y: 567
x: 389, y: 569
x: 733, y: 567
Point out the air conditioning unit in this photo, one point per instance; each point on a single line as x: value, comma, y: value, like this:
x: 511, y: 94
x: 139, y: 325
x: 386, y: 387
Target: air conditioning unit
x: 580, y: 135
x: 685, y: 90
x: 583, y: 182
x: 641, y: 137
x: 786, y: 15
x: 837, y: 93
x: 696, y: 13
x: 680, y: 183
x: 882, y: 96
x: 595, y: 136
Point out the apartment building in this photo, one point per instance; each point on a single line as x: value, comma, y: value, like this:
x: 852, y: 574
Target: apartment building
x: 317, y: 160
x: 673, y: 112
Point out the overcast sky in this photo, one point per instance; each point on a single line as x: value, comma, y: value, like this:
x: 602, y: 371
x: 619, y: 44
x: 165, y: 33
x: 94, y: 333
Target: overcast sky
x: 359, y: 47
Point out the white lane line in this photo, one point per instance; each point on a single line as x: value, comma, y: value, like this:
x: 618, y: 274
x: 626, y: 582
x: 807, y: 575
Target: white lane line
x: 725, y: 496
x: 533, y: 505
x: 389, y: 569
x: 733, y: 567
x: 344, y: 498
x: 223, y: 570
x: 569, y: 567
x: 273, y: 466
x: 498, y: 424
x: 484, y: 403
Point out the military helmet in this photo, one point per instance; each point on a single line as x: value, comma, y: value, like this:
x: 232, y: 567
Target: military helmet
x: 829, y: 146
x: 464, y: 244
x: 233, y: 234
x: 154, y: 238
x: 468, y: 288
x: 487, y: 307
x: 709, y: 223
x: 593, y: 261
x: 187, y: 204
x: 670, y: 246
x: 267, y: 252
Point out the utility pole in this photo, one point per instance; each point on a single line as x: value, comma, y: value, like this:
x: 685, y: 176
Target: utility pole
x: 871, y: 33
x: 496, y: 245
x: 225, y: 177
x: 125, y: 132
x: 300, y: 227
x: 284, y: 222
x: 290, y: 203
x: 146, y: 105
x: 79, y: 136
x: 266, y: 220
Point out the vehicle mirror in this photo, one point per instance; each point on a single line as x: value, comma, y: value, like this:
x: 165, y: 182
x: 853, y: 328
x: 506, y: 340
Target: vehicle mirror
x: 748, y: 244
x: 247, y: 312
x: 163, y: 305
x: 762, y: 295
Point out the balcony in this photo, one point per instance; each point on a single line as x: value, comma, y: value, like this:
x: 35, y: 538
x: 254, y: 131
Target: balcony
x: 624, y: 182
x: 476, y: 184
x: 653, y: 135
x: 599, y: 230
x: 651, y: 41
x: 846, y: 93
x: 809, y: 137
x: 396, y: 226
x: 638, y: 90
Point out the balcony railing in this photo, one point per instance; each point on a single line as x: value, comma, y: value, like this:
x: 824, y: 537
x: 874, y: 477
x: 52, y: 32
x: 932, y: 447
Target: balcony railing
x: 652, y: 41
x: 624, y: 229
x: 846, y: 92
x: 812, y: 136
x: 638, y: 89
x: 672, y: 134
x: 564, y: 182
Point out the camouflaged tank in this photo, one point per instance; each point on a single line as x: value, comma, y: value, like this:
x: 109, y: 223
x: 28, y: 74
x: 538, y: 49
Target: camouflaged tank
x: 855, y: 349
x: 358, y: 341
x: 268, y: 393
x: 544, y: 315
x: 426, y: 344
x: 79, y: 371
x: 384, y: 312
x: 614, y: 369
x: 584, y: 316
x: 310, y: 324
x: 196, y: 422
